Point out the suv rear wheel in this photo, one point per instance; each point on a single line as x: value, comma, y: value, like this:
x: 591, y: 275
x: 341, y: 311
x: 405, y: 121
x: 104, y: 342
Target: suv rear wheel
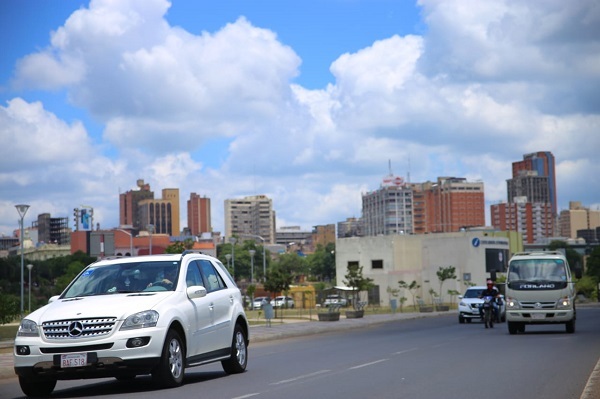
x: 239, y: 353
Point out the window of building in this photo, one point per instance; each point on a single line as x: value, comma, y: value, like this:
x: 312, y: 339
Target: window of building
x: 377, y: 264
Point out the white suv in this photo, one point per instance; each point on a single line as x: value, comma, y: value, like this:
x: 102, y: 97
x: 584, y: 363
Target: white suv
x: 468, y: 307
x: 130, y: 316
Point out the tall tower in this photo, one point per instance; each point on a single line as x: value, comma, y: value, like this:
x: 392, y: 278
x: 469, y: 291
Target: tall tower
x: 198, y: 214
x: 251, y: 215
x: 539, y: 164
x: 129, y: 205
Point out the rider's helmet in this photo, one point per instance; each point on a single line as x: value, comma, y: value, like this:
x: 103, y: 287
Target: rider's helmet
x: 490, y: 283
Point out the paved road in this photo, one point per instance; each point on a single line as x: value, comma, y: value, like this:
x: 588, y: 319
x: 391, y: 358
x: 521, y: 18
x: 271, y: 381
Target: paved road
x: 302, y: 328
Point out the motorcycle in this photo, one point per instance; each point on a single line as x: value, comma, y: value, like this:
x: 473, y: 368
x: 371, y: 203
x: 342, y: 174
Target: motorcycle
x: 488, y: 311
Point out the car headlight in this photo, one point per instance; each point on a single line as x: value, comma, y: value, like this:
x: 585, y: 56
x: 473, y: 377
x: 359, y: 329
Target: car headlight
x: 28, y: 328
x: 512, y: 304
x: 144, y: 319
x: 461, y: 303
x: 564, y: 303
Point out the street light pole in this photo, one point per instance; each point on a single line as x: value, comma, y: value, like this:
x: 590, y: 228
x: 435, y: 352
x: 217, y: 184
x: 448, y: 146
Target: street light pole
x: 228, y: 257
x: 263, y: 252
x: 252, y: 252
x: 29, y: 266
x: 150, y: 229
x: 232, y: 241
x: 22, y: 209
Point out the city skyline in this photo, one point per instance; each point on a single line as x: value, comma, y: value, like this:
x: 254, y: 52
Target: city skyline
x: 304, y: 102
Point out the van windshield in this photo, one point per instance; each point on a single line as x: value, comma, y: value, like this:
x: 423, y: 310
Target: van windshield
x: 537, y: 270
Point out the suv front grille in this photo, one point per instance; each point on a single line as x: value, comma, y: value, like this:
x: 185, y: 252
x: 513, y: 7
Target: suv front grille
x: 78, y: 328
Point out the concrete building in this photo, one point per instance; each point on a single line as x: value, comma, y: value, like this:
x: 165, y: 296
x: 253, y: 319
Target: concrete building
x: 198, y: 215
x: 163, y: 213
x: 533, y: 220
x: 543, y: 164
x: 287, y: 235
x: 388, y: 210
x: 323, y: 235
x: 129, y: 206
x: 252, y: 215
x: 476, y: 255
x: 351, y: 227
x: 52, y: 230
x: 577, y: 218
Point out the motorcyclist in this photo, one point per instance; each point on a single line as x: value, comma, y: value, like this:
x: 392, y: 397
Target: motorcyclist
x: 492, y: 291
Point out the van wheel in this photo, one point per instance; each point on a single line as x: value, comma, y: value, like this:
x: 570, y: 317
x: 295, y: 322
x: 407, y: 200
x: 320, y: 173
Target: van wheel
x: 170, y: 369
x: 239, y: 353
x: 570, y: 326
x: 36, y: 387
x: 512, y: 328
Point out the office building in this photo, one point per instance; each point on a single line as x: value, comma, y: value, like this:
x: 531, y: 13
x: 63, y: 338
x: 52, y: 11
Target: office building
x: 198, y: 215
x: 129, y: 214
x: 252, y: 215
x: 161, y: 214
x: 532, y: 219
x: 351, y: 227
x: 388, y: 210
x: 579, y: 219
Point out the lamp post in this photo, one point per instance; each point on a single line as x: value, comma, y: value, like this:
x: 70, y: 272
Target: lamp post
x: 232, y: 241
x: 130, y: 240
x: 150, y: 229
x: 29, y: 266
x: 228, y: 257
x: 22, y: 209
x: 252, y: 252
x: 263, y: 252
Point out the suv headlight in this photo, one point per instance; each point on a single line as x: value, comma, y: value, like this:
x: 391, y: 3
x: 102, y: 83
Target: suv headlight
x: 461, y: 303
x: 512, y: 304
x: 563, y: 303
x: 144, y: 319
x: 28, y: 328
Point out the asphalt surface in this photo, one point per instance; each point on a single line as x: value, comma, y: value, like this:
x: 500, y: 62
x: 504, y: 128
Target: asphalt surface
x: 295, y: 328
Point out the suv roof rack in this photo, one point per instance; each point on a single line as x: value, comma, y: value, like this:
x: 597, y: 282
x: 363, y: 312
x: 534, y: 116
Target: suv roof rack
x: 191, y: 251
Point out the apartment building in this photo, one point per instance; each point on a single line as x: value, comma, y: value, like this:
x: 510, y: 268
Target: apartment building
x: 251, y: 216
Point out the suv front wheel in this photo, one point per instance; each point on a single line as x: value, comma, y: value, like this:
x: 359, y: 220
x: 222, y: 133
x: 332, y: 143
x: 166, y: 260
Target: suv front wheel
x: 170, y: 370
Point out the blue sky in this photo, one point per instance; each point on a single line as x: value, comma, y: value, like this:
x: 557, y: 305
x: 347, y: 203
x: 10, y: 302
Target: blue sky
x: 304, y: 101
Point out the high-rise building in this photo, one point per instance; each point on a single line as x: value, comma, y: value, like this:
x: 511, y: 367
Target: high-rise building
x: 198, y: 214
x: 577, y: 218
x: 252, y: 215
x: 52, y: 230
x: 543, y: 164
x: 162, y: 214
x: 128, y: 205
x: 531, y: 192
x: 388, y: 210
x: 449, y: 205
x: 532, y: 219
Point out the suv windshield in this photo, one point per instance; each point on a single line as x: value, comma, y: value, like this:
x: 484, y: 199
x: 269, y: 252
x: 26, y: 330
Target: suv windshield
x: 124, y: 277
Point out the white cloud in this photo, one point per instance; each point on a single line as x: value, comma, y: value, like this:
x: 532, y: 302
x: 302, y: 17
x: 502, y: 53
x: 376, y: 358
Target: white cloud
x: 487, y: 83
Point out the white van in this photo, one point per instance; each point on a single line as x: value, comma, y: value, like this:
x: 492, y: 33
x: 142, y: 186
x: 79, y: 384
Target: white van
x: 539, y: 290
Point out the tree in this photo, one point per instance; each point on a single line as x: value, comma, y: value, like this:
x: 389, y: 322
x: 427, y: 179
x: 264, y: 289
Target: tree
x: 355, y: 280
x: 322, y: 263
x: 9, y: 308
x: 445, y: 273
x: 180, y: 246
x: 593, y: 265
x: 412, y: 289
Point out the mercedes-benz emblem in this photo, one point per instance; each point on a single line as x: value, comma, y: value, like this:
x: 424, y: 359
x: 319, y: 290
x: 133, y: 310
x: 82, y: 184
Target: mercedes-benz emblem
x: 75, y: 329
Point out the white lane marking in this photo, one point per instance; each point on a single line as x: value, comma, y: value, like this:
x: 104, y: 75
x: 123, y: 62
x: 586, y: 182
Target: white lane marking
x: 368, y: 364
x: 247, y: 396
x: 406, y: 351
x: 300, y: 377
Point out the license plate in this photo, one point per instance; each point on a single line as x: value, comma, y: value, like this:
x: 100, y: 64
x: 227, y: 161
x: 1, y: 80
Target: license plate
x: 73, y: 360
x: 538, y: 316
